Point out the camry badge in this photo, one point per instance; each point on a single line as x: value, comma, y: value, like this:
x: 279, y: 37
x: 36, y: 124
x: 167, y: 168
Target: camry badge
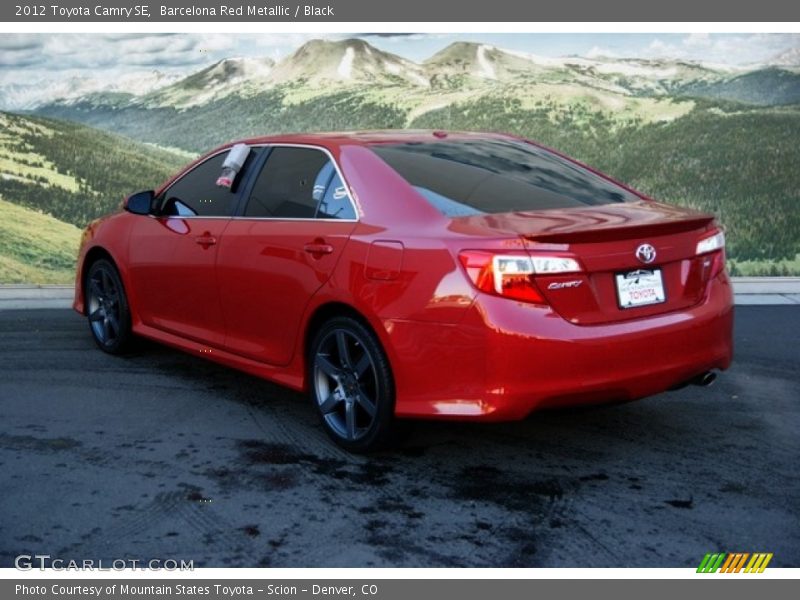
x: 646, y: 253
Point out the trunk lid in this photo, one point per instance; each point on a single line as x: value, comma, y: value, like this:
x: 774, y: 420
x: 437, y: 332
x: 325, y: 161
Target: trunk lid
x: 605, y: 240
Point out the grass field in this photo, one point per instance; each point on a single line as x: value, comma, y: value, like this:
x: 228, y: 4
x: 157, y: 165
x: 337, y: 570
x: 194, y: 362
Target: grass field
x: 34, y: 247
x: 765, y: 268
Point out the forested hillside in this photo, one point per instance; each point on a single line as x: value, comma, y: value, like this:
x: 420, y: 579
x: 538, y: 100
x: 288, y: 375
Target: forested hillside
x: 72, y: 172
x: 199, y: 128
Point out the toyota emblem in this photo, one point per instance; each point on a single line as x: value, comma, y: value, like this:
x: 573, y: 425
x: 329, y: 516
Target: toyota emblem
x: 646, y: 253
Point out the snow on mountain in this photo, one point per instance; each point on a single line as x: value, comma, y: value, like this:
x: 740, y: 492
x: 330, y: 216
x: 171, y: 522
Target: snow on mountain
x: 787, y: 58
x: 231, y: 71
x: 29, y: 95
x: 215, y: 81
x: 487, y: 70
x: 346, y: 61
x: 479, y: 61
x: 345, y: 68
x: 657, y: 69
x: 560, y: 62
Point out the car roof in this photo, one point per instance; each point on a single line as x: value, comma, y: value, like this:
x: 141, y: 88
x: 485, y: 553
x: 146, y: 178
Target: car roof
x: 398, y: 136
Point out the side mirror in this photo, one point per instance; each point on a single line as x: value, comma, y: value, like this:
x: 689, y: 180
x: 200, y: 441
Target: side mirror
x: 140, y: 203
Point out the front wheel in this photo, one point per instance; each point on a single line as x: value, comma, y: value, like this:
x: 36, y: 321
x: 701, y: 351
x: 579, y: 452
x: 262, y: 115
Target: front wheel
x: 107, y: 308
x: 351, y: 385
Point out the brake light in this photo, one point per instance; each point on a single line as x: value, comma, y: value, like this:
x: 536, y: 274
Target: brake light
x: 711, y: 243
x: 715, y: 243
x: 511, y: 275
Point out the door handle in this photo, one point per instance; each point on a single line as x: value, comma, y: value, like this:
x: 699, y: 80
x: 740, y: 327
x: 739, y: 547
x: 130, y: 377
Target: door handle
x: 206, y: 240
x: 317, y: 249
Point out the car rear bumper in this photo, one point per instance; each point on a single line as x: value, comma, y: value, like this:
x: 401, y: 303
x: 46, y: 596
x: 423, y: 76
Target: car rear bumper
x: 507, y: 359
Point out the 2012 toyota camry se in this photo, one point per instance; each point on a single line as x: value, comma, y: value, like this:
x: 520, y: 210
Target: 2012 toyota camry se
x: 415, y: 274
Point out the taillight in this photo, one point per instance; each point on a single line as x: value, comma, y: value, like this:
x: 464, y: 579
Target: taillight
x: 511, y: 275
x: 713, y: 263
x: 716, y: 241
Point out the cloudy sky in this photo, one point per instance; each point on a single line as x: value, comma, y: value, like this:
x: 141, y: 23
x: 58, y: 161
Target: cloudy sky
x: 30, y: 58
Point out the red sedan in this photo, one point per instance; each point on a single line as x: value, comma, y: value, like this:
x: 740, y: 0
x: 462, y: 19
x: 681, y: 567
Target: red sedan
x: 414, y: 275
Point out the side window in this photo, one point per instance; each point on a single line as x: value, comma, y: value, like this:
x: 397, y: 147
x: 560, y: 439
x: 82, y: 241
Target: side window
x: 334, y: 201
x: 298, y: 183
x: 197, y: 193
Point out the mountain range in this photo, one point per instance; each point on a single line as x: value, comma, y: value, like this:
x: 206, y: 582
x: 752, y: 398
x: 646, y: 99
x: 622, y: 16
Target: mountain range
x: 349, y: 84
x: 462, y: 64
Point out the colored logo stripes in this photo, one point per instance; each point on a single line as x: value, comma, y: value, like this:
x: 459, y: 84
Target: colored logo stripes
x: 734, y: 562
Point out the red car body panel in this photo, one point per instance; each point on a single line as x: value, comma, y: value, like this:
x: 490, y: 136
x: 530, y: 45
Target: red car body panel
x: 167, y: 260
x: 267, y: 273
x: 247, y: 300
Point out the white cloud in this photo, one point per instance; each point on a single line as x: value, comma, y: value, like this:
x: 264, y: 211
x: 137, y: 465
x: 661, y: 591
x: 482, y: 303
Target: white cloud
x: 600, y: 52
x: 697, y: 40
x: 722, y: 49
x: 17, y: 41
x: 292, y: 40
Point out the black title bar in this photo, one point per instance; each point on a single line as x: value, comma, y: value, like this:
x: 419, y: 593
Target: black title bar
x: 443, y: 11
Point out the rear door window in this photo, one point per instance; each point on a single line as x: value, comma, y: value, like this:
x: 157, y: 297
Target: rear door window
x: 299, y: 183
x: 468, y: 177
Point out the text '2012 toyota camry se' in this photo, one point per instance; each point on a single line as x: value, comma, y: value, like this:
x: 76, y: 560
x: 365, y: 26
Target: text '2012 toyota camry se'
x: 414, y: 274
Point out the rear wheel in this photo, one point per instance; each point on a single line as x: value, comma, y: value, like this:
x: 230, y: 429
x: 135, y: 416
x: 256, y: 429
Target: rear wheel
x: 351, y: 385
x: 107, y: 308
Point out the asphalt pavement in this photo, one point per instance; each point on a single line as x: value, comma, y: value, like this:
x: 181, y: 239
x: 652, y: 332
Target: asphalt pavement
x: 163, y: 455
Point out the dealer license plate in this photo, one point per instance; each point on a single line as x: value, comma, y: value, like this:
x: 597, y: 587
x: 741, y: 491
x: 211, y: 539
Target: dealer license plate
x: 640, y: 288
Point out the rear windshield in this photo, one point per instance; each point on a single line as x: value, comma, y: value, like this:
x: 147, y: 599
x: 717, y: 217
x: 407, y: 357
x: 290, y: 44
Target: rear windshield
x: 462, y: 178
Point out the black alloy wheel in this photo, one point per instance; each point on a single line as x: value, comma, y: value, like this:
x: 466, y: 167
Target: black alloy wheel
x: 107, y: 307
x: 351, y: 385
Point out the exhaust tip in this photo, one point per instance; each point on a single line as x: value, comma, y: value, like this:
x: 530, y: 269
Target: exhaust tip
x: 706, y: 379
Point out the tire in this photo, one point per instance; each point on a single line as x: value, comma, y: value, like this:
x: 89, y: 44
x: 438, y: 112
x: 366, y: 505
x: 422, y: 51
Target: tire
x: 351, y: 386
x: 107, y: 309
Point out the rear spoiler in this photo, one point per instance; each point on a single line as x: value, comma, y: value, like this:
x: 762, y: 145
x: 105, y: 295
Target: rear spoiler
x: 601, y: 232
